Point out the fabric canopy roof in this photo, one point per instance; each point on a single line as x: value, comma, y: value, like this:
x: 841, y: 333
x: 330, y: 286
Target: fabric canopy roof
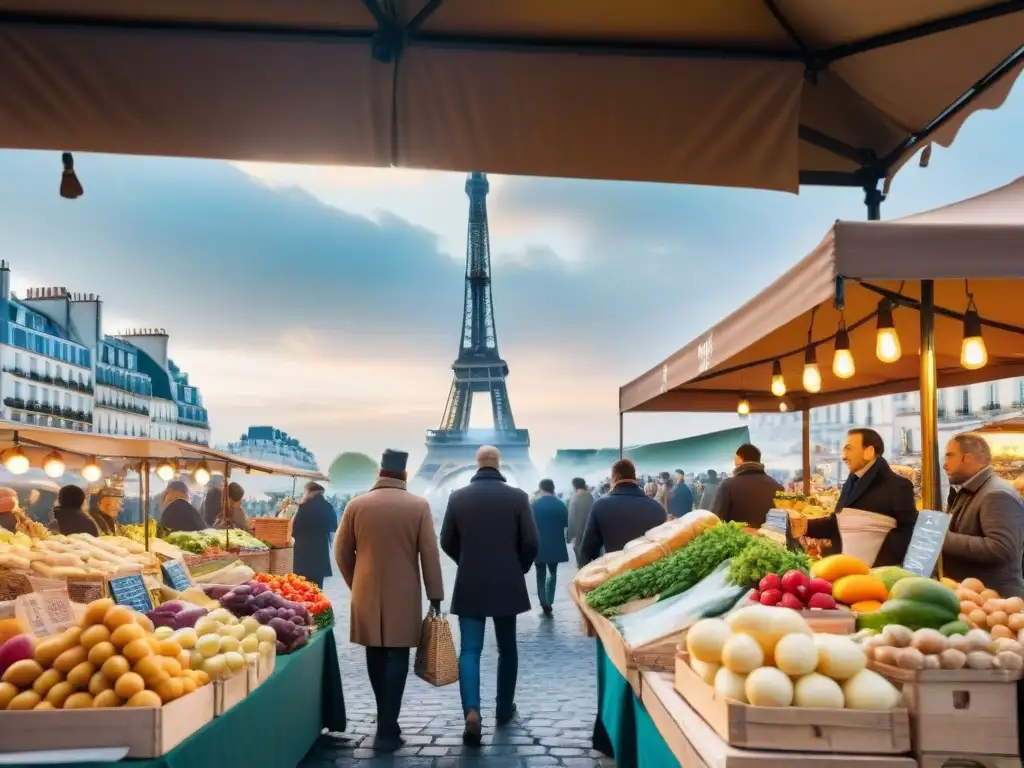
x: 752, y: 93
x: 980, y: 239
x: 76, y: 447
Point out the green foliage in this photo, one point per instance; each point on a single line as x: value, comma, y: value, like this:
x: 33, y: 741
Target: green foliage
x: 763, y: 557
x: 352, y: 472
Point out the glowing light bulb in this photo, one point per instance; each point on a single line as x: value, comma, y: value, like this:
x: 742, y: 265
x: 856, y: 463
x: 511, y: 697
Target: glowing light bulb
x: 743, y: 408
x: 812, y: 378
x: 778, y: 382
x: 53, y: 465
x: 165, y: 472
x: 783, y: 406
x: 15, y: 461
x: 92, y: 471
x: 887, y: 341
x: 973, y: 353
x: 202, y: 474
x: 842, y: 360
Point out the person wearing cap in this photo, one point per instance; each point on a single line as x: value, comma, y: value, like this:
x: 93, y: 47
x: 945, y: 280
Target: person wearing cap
x: 176, y: 510
x: 104, y: 507
x: 69, y: 515
x: 213, y: 502
x: 386, y: 540
x: 312, y: 527
x: 236, y: 517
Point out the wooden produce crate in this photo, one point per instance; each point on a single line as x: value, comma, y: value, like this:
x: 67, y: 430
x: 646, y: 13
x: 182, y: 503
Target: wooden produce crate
x: 276, y: 531
x: 941, y: 760
x: 146, y: 731
x: 696, y: 745
x: 282, y: 561
x: 258, y: 561
x: 799, y: 729
x: 229, y: 691
x: 959, y: 712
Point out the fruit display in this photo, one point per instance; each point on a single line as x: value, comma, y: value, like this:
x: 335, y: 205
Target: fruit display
x: 290, y: 621
x: 303, y: 592
x: 914, y: 602
x: 768, y: 657
x: 220, y: 644
x: 214, y: 541
x: 795, y: 590
x: 112, y: 658
x: 808, y: 506
x: 176, y: 614
x: 137, y: 532
x: 77, y: 556
x: 899, y: 646
x: 762, y: 557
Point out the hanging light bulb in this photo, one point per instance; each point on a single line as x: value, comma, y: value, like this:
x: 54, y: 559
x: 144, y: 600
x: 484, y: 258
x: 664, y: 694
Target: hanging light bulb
x: 973, y: 354
x: 53, y: 465
x: 165, y: 471
x: 202, y: 473
x: 842, y: 359
x: 15, y: 461
x: 743, y: 408
x: 92, y: 471
x: 783, y: 406
x: 887, y: 341
x: 812, y: 376
x: 778, y: 382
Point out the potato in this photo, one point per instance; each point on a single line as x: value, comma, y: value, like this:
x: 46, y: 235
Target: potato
x: 929, y: 641
x: 46, y: 681
x: 997, y: 618
x: 966, y: 606
x: 980, y: 660
x: 978, y: 617
x: 99, y: 683
x: 1015, y: 621
x: 1009, y: 661
x: 81, y: 675
x: 128, y: 684
x: 118, y: 616
x: 136, y: 650
x: 144, y: 699
x: 173, y: 688
x: 106, y: 699
x: 1000, y: 631
x: 7, y: 692
x: 80, y: 700
x: 24, y: 700
x: 125, y: 634
x: 100, y: 652
x: 115, y: 666
x: 96, y: 612
x: 23, y: 673
x: 910, y: 658
x: 59, y: 693
x: 1013, y: 605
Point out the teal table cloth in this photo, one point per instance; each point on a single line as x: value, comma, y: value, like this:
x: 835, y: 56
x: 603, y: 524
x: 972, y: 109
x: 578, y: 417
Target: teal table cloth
x: 274, y: 726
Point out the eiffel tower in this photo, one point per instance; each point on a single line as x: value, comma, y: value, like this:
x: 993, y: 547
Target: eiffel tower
x: 452, y: 447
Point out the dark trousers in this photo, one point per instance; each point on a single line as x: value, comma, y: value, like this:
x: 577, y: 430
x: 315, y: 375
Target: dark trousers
x: 546, y: 575
x: 388, y: 669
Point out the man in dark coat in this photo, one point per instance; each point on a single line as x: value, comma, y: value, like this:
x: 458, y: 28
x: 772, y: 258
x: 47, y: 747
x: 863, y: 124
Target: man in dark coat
x: 489, y: 531
x: 552, y: 519
x: 176, y: 510
x: 105, y: 506
x: 747, y: 496
x: 871, y: 487
x: 213, y: 502
x: 680, y: 502
x: 709, y: 489
x: 624, y: 514
x: 69, y: 514
x: 579, y: 510
x: 312, y: 528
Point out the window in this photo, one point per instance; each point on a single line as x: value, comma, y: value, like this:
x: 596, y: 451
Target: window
x: 993, y: 396
x: 120, y: 357
x: 870, y: 417
x: 60, y: 373
x: 33, y: 365
x: 850, y: 414
x: 67, y: 399
x: 49, y: 369
x: 32, y: 392
x: 19, y: 364
x: 965, y: 401
x: 17, y: 390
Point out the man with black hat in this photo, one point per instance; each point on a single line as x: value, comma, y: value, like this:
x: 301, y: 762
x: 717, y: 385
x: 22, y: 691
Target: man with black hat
x: 176, y: 510
x: 385, y: 540
x: 312, y: 528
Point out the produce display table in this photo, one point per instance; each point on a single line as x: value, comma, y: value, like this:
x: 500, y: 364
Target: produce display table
x: 274, y: 726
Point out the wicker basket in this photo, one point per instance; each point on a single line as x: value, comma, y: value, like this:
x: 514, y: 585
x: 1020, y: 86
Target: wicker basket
x: 282, y: 561
x: 258, y: 561
x: 276, y: 531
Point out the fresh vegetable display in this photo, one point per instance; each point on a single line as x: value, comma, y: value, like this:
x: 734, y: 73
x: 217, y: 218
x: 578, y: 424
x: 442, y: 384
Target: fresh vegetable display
x: 674, y: 574
x: 290, y: 621
x: 985, y: 609
x: 220, y: 645
x: 112, y: 658
x: 176, y: 614
x: 768, y: 657
x: 76, y: 556
x: 303, y: 592
x: 795, y: 590
x: 914, y: 602
x: 899, y: 646
x: 761, y: 558
x: 212, y: 539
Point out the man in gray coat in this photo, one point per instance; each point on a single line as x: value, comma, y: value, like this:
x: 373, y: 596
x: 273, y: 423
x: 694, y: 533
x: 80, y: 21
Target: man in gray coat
x: 986, y: 532
x: 579, y: 510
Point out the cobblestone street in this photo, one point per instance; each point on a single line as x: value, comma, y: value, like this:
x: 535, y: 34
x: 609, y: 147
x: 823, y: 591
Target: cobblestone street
x: 556, y: 699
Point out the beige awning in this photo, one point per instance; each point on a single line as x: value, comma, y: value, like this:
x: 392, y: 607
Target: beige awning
x: 77, y: 447
x: 740, y: 93
x: 977, y: 240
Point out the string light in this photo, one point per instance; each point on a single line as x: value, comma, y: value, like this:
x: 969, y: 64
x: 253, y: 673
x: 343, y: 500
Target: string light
x: 743, y: 408
x: 778, y: 382
x: 887, y: 341
x: 166, y: 471
x: 783, y: 406
x: 92, y: 471
x: 812, y: 376
x: 973, y: 354
x: 842, y: 359
x: 202, y: 473
x: 53, y: 465
x: 15, y: 461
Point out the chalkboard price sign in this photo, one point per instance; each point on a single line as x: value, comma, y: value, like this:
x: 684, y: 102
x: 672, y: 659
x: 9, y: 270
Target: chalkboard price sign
x: 131, y: 591
x: 926, y: 543
x: 177, y: 575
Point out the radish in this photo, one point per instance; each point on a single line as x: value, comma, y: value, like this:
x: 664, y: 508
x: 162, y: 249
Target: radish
x: 793, y: 579
x: 18, y: 648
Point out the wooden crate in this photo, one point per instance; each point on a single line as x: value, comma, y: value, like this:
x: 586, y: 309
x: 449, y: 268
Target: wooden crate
x: 801, y: 729
x: 276, y: 531
x: 941, y: 760
x: 282, y: 561
x: 258, y: 561
x: 696, y: 745
x: 229, y: 691
x: 146, y: 731
x: 958, y: 712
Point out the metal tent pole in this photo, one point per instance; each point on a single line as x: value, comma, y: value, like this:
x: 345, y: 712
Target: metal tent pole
x: 931, y: 488
x: 144, y: 489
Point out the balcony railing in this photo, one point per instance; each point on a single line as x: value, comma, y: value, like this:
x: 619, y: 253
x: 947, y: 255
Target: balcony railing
x: 35, y: 406
x: 141, y: 410
x: 54, y: 381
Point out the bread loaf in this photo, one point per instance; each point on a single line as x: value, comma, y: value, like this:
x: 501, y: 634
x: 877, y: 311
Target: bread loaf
x: 637, y: 557
x: 595, y: 573
x: 676, y: 534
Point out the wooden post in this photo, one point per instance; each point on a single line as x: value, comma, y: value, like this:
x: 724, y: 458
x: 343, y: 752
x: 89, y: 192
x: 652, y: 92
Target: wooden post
x: 144, y: 494
x: 805, y: 443
x: 931, y: 484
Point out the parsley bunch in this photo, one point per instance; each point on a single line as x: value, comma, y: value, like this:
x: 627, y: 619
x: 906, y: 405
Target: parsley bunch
x: 761, y: 558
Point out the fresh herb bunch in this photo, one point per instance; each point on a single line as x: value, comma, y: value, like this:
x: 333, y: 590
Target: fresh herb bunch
x: 673, y: 574
x: 761, y: 558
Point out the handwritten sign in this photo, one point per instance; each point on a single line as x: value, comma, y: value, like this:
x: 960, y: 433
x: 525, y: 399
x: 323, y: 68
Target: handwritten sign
x: 177, y: 575
x: 926, y: 542
x: 131, y: 591
x: 45, y: 613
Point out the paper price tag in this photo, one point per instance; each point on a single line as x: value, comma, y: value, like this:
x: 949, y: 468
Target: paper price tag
x: 45, y: 613
x: 39, y: 584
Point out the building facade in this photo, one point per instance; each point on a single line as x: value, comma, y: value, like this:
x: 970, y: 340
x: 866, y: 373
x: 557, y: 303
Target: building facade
x: 274, y: 446
x: 58, y: 370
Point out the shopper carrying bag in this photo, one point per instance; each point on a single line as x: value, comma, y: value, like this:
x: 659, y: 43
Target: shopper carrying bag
x: 436, y: 660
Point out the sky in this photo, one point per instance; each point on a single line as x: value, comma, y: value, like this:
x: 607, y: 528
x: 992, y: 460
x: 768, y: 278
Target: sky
x: 327, y: 301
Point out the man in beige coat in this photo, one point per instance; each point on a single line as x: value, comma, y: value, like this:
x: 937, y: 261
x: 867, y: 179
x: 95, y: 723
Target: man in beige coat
x: 386, y: 537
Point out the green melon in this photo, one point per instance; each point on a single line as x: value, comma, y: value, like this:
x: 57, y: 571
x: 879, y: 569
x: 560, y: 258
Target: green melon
x: 924, y: 590
x: 890, y: 574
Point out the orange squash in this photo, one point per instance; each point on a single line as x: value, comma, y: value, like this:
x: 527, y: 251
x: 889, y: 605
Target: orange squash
x: 858, y: 588
x: 9, y: 628
x: 866, y: 606
x: 835, y: 567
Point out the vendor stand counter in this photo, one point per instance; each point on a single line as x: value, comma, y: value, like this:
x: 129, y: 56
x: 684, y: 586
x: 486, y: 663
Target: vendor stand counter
x: 273, y: 727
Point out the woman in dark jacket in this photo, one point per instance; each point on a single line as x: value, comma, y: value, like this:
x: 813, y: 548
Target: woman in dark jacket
x: 312, y: 527
x: 69, y: 514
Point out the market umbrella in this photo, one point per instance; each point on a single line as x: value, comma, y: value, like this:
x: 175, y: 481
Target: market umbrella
x: 751, y: 93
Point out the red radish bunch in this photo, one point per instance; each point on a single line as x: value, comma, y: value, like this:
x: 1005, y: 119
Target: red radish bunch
x: 794, y: 590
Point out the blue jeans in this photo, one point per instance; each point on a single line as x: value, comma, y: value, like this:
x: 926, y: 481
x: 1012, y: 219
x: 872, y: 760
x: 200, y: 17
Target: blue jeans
x: 546, y: 575
x: 472, y: 643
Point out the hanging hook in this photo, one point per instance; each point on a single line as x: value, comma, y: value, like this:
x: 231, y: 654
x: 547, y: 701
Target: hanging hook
x: 840, y: 293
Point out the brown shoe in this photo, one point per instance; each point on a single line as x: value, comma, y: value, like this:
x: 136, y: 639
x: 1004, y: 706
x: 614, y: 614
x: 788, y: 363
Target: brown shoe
x: 471, y: 734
